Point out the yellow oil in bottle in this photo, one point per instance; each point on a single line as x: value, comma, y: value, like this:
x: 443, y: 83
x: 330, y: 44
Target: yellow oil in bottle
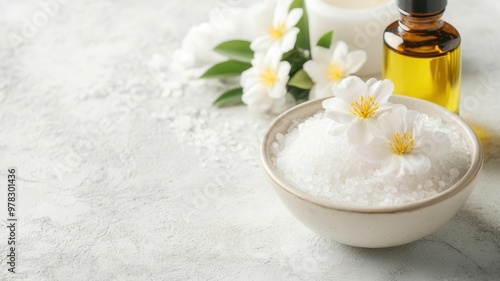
x: 435, y: 79
x: 422, y: 53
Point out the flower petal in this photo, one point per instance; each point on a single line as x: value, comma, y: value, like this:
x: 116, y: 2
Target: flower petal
x: 370, y: 82
x: 326, y: 88
x: 350, y: 89
x: 293, y: 17
x: 359, y: 133
x: 273, y: 57
x: 338, y: 111
x: 389, y: 107
x: 340, y: 117
x: 336, y: 105
x: 247, y: 75
x: 261, y: 43
x: 435, y: 145
x: 390, y: 123
x: 321, y: 54
x: 332, y: 85
x: 249, y: 80
x: 381, y: 90
x: 257, y: 100
x: 313, y: 95
x: 415, y: 163
x: 259, y: 59
x: 253, y: 94
x: 410, y: 117
x: 322, y: 89
x: 288, y: 40
x: 355, y: 61
x: 281, y: 11
x: 392, y: 165
x: 340, y: 51
x: 316, y: 70
x: 278, y: 91
x: 284, y: 69
x: 376, y: 151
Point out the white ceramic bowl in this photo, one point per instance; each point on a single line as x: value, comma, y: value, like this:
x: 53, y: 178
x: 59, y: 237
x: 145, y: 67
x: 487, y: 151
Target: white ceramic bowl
x: 372, y: 226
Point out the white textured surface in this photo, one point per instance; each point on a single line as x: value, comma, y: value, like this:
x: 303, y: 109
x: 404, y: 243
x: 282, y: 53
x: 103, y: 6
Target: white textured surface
x: 119, y: 182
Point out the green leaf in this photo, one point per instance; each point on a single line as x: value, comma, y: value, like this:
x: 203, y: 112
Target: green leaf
x: 298, y: 94
x: 238, y: 50
x: 301, y: 80
x: 296, y: 58
x: 286, y: 56
x: 326, y: 40
x: 225, y: 69
x: 230, y: 97
x: 303, y: 36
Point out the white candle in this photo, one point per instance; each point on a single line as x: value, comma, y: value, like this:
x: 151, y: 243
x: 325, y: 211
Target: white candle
x: 360, y: 23
x: 350, y: 4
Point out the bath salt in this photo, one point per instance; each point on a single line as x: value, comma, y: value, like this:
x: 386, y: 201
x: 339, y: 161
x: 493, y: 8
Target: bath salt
x: 325, y: 165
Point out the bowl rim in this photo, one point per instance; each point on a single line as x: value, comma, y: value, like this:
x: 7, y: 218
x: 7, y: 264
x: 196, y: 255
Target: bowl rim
x: 467, y: 178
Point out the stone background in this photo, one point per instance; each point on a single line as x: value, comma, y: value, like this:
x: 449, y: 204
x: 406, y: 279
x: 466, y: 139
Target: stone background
x: 125, y: 177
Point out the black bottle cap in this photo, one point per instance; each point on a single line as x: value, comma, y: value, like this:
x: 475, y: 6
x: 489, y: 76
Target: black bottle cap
x: 422, y: 6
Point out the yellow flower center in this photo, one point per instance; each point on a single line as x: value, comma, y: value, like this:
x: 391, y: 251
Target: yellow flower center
x: 401, y: 144
x: 277, y: 31
x: 268, y: 77
x: 334, y: 72
x: 364, y: 108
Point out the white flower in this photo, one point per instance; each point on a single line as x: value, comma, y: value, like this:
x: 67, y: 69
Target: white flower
x: 402, y: 146
x: 264, y: 85
x: 357, y: 105
x: 196, y: 50
x: 279, y: 30
x: 329, y: 66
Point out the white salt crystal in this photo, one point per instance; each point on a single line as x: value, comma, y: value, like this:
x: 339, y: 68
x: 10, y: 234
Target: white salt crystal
x: 428, y: 184
x: 326, y: 166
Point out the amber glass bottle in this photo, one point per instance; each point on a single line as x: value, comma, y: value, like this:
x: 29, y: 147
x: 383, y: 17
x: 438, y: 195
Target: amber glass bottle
x: 422, y: 54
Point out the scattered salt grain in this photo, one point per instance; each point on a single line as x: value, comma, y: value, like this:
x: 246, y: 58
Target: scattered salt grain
x: 454, y: 172
x: 326, y: 166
